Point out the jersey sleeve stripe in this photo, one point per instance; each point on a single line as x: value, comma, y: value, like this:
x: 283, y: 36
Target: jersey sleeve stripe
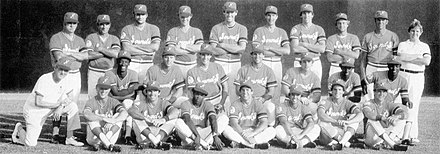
x: 224, y: 79
x: 426, y: 54
x: 185, y: 112
x: 55, y: 49
x: 272, y: 84
x: 88, y: 108
x: 119, y: 108
x: 330, y: 51
x: 285, y: 83
x: 281, y: 115
x: 284, y: 42
x: 213, y: 41
x: 170, y: 43
x: 356, y: 48
x: 115, y: 46
x: 321, y: 38
x: 262, y: 115
x: 307, y: 116
x: 396, y: 109
x: 315, y: 90
x: 233, y: 116
x: 168, y: 108
x: 178, y: 85
x: 197, y: 41
x: 352, y: 108
x: 211, y: 113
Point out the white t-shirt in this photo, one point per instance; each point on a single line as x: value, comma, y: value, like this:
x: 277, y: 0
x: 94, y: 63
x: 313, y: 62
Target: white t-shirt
x: 416, y: 50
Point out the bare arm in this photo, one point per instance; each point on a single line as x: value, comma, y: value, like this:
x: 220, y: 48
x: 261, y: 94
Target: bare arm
x: 233, y: 48
x: 309, y: 127
x: 262, y: 124
x: 284, y: 90
x: 286, y: 125
x: 95, y: 55
x: 148, y: 49
x: 112, y: 52
x: 213, y: 122
x: 363, y: 62
x: 357, y: 118
x: 324, y: 117
x: 296, y: 47
x: 349, y: 53
x: 90, y: 116
x: 317, y: 48
x: 233, y: 122
x: 190, y: 123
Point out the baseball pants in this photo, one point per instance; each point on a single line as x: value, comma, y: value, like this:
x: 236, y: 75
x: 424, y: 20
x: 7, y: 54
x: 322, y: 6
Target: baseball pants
x: 416, y: 84
x: 376, y: 129
x: 205, y: 133
x: 332, y: 131
x: 263, y: 137
x: 231, y: 70
x: 140, y: 67
x: 277, y: 67
x: 92, y: 139
x: 334, y: 68
x: 281, y: 134
x: 141, y: 125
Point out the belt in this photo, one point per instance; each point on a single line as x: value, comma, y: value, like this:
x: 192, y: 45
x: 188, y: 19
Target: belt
x: 141, y: 61
x: 377, y: 65
x: 272, y: 59
x: 314, y: 59
x: 411, y: 71
x: 74, y: 71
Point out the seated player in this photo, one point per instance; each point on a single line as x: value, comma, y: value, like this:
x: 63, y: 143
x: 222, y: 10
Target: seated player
x: 104, y: 117
x: 154, y: 119
x: 353, y: 90
x: 339, y: 118
x: 297, y: 127
x: 201, y: 126
x: 248, y: 121
x: 386, y: 121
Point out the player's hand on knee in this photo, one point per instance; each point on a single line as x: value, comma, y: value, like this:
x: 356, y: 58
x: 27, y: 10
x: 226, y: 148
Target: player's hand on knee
x: 218, y: 144
x: 57, y: 113
x: 392, y: 119
x: 109, y: 120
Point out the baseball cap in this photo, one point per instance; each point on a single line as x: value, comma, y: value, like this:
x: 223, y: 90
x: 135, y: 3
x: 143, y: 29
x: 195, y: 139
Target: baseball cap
x: 71, y: 17
x: 381, y: 15
x: 306, y: 57
x: 169, y: 51
x: 198, y: 88
x: 346, y: 64
x: 341, y: 16
x: 104, y: 82
x: 230, y: 6
x: 295, y: 90
x: 245, y: 85
x: 257, y: 50
x: 124, y: 54
x: 140, y: 8
x: 185, y: 11
x: 338, y: 83
x: 306, y: 8
x: 103, y: 18
x: 380, y: 87
x: 206, y: 49
x: 271, y: 9
x: 68, y: 63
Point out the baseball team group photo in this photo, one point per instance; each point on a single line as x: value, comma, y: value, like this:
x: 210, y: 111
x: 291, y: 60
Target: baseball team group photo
x: 229, y: 76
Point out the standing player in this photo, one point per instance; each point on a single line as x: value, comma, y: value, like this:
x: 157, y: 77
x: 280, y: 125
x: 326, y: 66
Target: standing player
x: 262, y: 80
x: 297, y: 126
x: 124, y: 83
x: 342, y: 46
x: 105, y: 49
x: 51, y: 96
x: 308, y: 39
x: 141, y: 40
x: 415, y: 56
x: 351, y: 80
x: 248, y: 121
x: 186, y: 40
x: 201, y: 125
x: 154, y: 119
x: 378, y: 48
x: 339, y: 118
x: 67, y: 44
x: 212, y: 77
x: 104, y: 118
x: 386, y: 121
x: 229, y: 39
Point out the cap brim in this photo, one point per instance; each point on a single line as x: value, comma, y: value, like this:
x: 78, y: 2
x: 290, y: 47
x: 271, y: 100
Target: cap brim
x: 71, y: 20
x: 139, y: 12
x: 185, y: 14
x: 271, y: 12
x: 64, y: 67
x: 101, y: 22
x: 227, y: 10
x: 346, y: 65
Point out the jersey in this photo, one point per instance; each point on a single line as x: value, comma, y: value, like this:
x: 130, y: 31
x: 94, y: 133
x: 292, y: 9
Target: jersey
x: 419, y: 50
x: 295, y: 117
x: 259, y: 79
x: 312, y: 35
x: 133, y: 35
x: 199, y: 115
x: 338, y: 111
x: 95, y: 41
x: 123, y: 83
x: 352, y: 84
x: 104, y: 107
x: 221, y: 33
x: 310, y: 82
x: 349, y: 42
x: 399, y: 85
x: 276, y: 38
x: 386, y: 109
x: 176, y: 36
x: 380, y: 48
x: 51, y: 90
x: 211, y: 79
x: 157, y: 111
x: 59, y: 42
x: 166, y: 81
x: 248, y: 115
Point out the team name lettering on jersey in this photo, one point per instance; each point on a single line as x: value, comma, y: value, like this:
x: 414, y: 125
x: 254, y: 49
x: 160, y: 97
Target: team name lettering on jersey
x: 108, y: 114
x: 386, y: 45
x: 67, y: 49
x: 125, y: 86
x: 261, y: 81
x: 229, y: 37
x: 133, y: 41
x: 251, y: 117
x: 265, y: 40
x: 332, y: 113
x: 195, y: 116
x: 213, y: 79
x: 168, y: 85
x: 313, y: 36
x: 154, y: 116
x: 339, y: 45
x: 304, y: 86
x: 295, y: 119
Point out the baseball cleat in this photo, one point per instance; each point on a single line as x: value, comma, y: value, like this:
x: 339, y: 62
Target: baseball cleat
x: 73, y: 142
x: 55, y: 139
x: 399, y: 147
x: 408, y: 142
x: 262, y: 146
x: 17, y: 127
x: 114, y: 148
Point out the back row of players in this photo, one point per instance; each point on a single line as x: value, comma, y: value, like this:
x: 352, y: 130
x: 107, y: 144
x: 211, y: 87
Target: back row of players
x: 186, y: 69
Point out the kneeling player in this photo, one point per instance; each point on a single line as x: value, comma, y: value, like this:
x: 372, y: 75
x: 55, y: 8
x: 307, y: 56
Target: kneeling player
x: 198, y: 115
x: 386, y: 121
x: 339, y: 118
x: 293, y: 116
x: 153, y: 119
x: 248, y: 121
x: 104, y: 118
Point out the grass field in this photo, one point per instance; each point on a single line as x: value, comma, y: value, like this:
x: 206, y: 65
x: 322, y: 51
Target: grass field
x: 11, y: 113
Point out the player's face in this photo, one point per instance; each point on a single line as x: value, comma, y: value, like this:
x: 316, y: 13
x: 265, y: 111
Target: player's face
x: 184, y: 21
x: 415, y: 33
x: 294, y: 98
x: 380, y: 94
x: 337, y: 91
x: 342, y: 25
x: 395, y: 69
x: 104, y: 28
x: 153, y: 95
x: 271, y: 18
x: 70, y: 27
x: 60, y: 73
x: 257, y: 57
x: 306, y: 64
x: 307, y: 17
x: 230, y: 16
x: 168, y: 60
x: 204, y: 58
x: 140, y: 18
x: 123, y: 64
x: 198, y: 98
x: 381, y: 23
x: 246, y: 93
x: 346, y: 70
x: 102, y: 93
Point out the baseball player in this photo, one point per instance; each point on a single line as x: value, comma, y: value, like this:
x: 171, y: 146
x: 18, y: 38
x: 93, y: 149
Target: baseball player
x: 124, y: 83
x: 168, y: 77
x: 229, y: 39
x: 186, y: 40
x: 154, y: 119
x: 342, y: 46
x: 307, y: 38
x: 378, y: 48
x: 67, y: 44
x: 105, y: 49
x: 104, y: 117
x: 141, y: 40
x: 201, y: 125
x: 353, y: 90
x: 248, y: 121
x: 339, y: 118
x: 386, y: 121
x: 297, y: 126
x: 212, y: 77
x: 415, y: 56
x: 52, y: 95
x: 262, y: 80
